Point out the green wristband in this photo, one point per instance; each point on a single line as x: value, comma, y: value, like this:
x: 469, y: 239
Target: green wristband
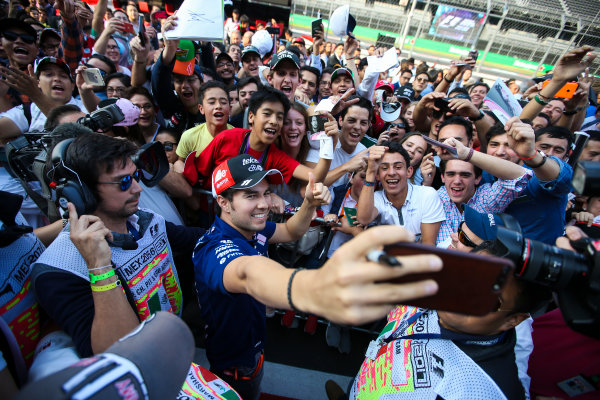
x: 106, y: 275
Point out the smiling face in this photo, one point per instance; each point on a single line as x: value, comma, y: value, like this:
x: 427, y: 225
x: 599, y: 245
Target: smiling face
x: 114, y: 201
x: 132, y: 13
x: 267, y: 122
x: 309, y: 84
x: 225, y: 68
x: 112, y: 51
x: 341, y: 84
x: 477, y: 94
x: 115, y: 88
x: 286, y: 77
x: 393, y: 172
x: 498, y: 147
x: 415, y: 146
x: 147, y: 112
x: 460, y: 181
x: 55, y: 83
x: 250, y: 64
x: 19, y: 52
x: 354, y: 127
x: 248, y: 210
x: 215, y: 107
x: 294, y: 128
x: 451, y: 131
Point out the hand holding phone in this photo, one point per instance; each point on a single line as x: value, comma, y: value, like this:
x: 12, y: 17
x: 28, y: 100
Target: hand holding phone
x: 93, y: 76
x: 434, y: 142
x: 468, y: 283
x: 350, y: 212
x: 128, y: 28
x: 474, y: 54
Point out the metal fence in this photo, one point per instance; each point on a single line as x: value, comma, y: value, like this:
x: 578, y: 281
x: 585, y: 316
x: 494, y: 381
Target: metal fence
x: 536, y: 31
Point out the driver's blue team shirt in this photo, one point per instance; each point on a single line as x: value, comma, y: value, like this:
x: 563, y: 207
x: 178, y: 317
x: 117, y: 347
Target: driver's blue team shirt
x: 235, y: 323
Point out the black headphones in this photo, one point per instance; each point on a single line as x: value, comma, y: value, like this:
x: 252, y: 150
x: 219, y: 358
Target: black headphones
x: 68, y: 186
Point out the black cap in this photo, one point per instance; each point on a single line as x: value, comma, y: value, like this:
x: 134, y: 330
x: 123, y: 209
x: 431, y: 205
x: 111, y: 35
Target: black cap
x: 241, y: 172
x: 285, y: 55
x: 8, y: 24
x: 405, y: 92
x: 223, y: 55
x: 248, y: 50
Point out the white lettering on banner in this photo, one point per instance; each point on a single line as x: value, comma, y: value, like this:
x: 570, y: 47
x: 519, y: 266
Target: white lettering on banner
x: 456, y: 50
x: 525, y: 65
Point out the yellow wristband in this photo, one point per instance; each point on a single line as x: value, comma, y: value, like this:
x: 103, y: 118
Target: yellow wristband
x: 105, y: 288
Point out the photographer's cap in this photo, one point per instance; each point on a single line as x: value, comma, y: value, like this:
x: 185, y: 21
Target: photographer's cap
x: 184, y: 58
x: 484, y: 225
x: 43, y: 62
x: 241, y: 172
x: 342, y: 23
x: 283, y: 56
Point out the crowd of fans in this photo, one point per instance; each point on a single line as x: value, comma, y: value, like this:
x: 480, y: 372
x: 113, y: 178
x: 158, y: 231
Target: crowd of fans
x: 238, y: 121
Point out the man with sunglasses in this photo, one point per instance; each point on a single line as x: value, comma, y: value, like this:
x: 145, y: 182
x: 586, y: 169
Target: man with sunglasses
x: 19, y: 41
x: 95, y: 290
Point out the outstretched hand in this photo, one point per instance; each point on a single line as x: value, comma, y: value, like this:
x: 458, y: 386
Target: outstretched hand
x: 350, y: 289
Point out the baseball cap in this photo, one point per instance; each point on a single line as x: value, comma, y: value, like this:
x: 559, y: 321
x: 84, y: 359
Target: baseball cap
x: 263, y: 42
x: 184, y: 58
x: 341, y: 71
x: 13, y: 23
x: 223, y: 55
x: 299, y: 40
x: 484, y: 225
x: 241, y: 172
x: 43, y: 62
x: 390, y: 111
x: 248, y: 50
x: 342, y: 23
x: 405, y: 92
x: 384, y: 85
x: 285, y: 55
x: 49, y: 32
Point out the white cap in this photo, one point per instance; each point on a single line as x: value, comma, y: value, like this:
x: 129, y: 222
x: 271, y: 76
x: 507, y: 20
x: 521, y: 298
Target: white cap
x: 263, y: 41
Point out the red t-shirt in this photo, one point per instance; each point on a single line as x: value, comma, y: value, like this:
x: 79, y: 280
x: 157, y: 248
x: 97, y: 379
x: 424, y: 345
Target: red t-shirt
x: 227, y: 145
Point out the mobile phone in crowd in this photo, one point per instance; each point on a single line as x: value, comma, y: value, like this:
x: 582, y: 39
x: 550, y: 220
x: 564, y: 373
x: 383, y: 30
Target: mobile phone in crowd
x: 474, y: 54
x: 316, y: 26
x: 468, y: 283
x: 128, y: 28
x: 93, y: 76
x: 142, y: 30
x: 350, y: 212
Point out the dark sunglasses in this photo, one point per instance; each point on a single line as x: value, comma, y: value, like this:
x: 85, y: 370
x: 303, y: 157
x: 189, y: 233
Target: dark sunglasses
x: 168, y: 146
x: 463, y: 238
x: 397, y: 125
x: 12, y: 36
x: 126, y: 181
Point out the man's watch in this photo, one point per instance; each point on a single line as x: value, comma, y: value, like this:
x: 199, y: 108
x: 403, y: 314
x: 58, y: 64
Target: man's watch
x: 544, y: 158
x: 477, y: 118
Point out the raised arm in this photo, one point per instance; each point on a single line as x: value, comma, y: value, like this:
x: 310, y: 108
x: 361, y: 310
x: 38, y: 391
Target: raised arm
x: 521, y: 139
x: 498, y: 167
x: 88, y: 97
x: 567, y: 68
x: 102, y: 41
x: 366, y: 210
x: 422, y: 109
x: 98, y: 18
x: 316, y: 194
x: 465, y: 108
x: 140, y: 60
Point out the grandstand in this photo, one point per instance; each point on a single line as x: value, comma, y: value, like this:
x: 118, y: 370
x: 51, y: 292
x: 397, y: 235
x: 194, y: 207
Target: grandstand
x: 520, y: 36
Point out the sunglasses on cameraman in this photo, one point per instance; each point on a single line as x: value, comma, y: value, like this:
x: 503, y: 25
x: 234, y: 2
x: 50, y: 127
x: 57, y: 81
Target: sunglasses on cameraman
x: 126, y: 181
x: 12, y: 36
